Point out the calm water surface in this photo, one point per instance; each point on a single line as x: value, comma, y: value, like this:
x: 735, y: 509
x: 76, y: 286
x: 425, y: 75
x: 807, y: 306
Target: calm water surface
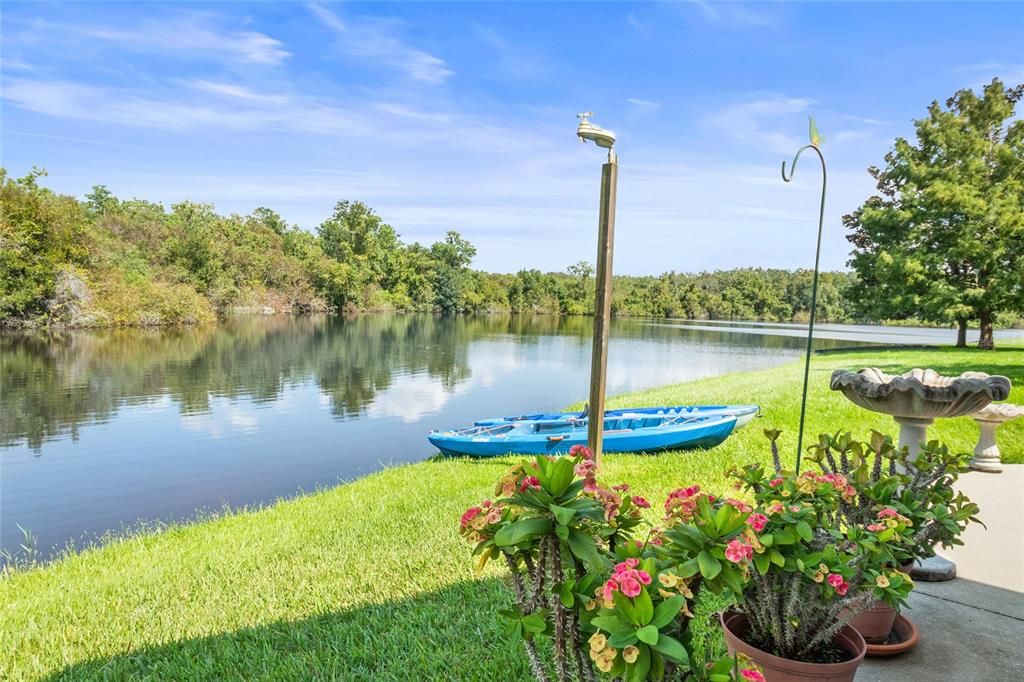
x: 99, y: 430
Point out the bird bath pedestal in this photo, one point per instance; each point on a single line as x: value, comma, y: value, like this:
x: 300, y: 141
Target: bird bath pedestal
x: 919, y: 397
x: 986, y: 453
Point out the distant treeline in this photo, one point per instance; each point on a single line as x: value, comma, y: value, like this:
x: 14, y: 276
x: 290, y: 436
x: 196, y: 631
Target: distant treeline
x: 111, y: 262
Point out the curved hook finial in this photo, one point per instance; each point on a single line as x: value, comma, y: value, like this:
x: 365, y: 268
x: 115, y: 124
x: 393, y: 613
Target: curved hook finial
x: 797, y: 158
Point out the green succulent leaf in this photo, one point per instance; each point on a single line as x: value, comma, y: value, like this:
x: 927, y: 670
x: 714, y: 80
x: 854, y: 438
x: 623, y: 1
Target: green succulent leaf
x: 648, y: 634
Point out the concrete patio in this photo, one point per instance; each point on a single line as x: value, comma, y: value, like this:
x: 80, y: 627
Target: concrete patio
x: 972, y: 628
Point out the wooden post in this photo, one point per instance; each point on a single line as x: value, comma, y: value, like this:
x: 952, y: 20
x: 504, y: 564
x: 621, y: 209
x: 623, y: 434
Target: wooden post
x: 602, y: 304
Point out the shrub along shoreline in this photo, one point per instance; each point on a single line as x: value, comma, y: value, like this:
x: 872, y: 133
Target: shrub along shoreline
x: 370, y: 579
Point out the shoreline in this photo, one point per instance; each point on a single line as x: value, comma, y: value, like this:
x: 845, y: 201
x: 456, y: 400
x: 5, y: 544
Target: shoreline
x: 379, y: 555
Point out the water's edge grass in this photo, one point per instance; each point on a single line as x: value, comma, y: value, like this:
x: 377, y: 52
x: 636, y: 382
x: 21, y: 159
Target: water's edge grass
x: 368, y: 579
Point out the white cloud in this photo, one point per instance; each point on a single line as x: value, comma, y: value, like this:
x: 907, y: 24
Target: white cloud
x: 186, y: 36
x: 644, y: 105
x: 231, y: 90
x: 733, y: 14
x: 981, y: 74
x: 751, y: 122
x: 377, y: 41
x: 176, y: 113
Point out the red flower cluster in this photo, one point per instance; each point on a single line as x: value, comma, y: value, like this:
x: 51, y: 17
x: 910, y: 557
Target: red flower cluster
x: 838, y: 583
x: 587, y: 468
x: 682, y: 503
x: 627, y: 579
x: 737, y: 551
x: 529, y: 483
x: 757, y: 522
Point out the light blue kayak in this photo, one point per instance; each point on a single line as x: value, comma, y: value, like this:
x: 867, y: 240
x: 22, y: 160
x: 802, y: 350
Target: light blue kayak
x: 627, y: 433
x: 743, y: 414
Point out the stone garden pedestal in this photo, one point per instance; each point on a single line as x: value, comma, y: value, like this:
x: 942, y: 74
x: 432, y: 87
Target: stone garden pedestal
x: 986, y: 453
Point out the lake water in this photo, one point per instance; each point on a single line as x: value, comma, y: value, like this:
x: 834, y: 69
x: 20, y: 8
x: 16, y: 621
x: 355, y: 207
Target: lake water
x: 100, y: 430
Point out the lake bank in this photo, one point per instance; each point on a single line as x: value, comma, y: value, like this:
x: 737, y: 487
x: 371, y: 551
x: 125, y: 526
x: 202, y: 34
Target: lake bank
x: 345, y: 582
x: 102, y: 429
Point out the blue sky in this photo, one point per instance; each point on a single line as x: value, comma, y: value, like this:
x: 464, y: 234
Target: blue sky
x: 462, y: 115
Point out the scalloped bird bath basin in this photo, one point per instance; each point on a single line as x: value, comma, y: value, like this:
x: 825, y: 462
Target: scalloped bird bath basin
x: 917, y: 398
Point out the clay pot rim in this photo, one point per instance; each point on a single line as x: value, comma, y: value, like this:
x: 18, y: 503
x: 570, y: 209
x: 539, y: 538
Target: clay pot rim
x: 788, y: 664
x: 883, y: 650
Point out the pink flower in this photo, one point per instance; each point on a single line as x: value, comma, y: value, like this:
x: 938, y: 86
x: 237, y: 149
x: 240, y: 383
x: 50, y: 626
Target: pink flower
x: 887, y: 512
x: 610, y: 587
x: 584, y: 469
x: 835, y: 580
x: 739, y: 504
x: 581, y: 450
x: 841, y: 590
x: 621, y: 488
x: 630, y: 587
x: 530, y: 482
x: 752, y: 675
x: 757, y: 522
x: 641, y: 502
x: 469, y: 515
x: 876, y: 527
x: 775, y: 482
x: 736, y: 551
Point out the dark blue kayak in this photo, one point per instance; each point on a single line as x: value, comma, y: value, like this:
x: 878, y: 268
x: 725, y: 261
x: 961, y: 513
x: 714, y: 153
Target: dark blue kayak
x: 743, y: 414
x: 629, y: 433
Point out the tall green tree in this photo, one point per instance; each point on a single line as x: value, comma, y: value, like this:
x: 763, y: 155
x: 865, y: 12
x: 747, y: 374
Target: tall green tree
x: 944, y: 238
x: 451, y: 257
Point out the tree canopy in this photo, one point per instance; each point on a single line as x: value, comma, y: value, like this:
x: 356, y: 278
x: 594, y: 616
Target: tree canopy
x: 943, y: 241
x: 143, y: 264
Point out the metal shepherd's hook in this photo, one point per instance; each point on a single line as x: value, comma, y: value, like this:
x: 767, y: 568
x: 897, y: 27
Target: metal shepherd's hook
x: 815, y: 141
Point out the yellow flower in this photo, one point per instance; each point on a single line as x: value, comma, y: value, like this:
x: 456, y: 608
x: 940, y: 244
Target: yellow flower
x: 668, y: 579
x: 597, y: 641
x: 786, y: 493
x: 603, y: 664
x: 882, y: 581
x: 590, y: 605
x: 823, y: 568
x: 610, y: 652
x: 630, y: 653
x: 594, y: 655
x: 819, y: 576
x: 665, y: 594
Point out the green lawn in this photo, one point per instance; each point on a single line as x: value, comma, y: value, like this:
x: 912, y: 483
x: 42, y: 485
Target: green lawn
x: 369, y: 580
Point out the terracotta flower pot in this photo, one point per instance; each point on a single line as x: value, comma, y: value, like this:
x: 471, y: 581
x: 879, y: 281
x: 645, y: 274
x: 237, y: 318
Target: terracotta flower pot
x: 905, y: 634
x: 875, y: 624
x: 777, y: 669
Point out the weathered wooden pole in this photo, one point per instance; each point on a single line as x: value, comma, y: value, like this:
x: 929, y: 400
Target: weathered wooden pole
x: 603, y: 293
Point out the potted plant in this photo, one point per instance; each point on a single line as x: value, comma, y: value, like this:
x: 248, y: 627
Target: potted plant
x: 808, y: 574
x: 588, y: 580
x: 890, y: 487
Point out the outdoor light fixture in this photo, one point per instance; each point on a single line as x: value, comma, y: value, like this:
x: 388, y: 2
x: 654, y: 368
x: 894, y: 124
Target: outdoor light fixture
x: 603, y: 295
x: 599, y: 136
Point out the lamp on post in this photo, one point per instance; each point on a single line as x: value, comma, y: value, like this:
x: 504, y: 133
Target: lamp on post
x: 603, y: 296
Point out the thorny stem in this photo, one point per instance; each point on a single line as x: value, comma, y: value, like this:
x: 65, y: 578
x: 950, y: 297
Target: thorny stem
x: 561, y: 659
x: 536, y: 665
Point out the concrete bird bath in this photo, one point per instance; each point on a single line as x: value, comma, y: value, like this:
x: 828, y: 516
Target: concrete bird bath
x: 986, y: 452
x: 919, y: 397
